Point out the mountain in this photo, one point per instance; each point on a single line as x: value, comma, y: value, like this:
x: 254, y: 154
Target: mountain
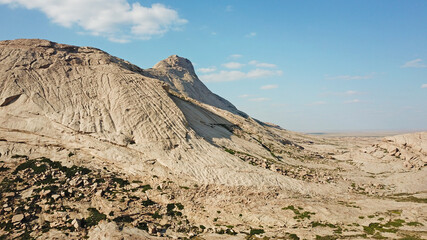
x: 180, y: 76
x: 94, y: 146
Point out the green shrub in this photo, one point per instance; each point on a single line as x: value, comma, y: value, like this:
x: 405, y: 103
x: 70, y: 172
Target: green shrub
x: 230, y: 151
x: 120, y: 181
x: 145, y: 187
x: 156, y: 215
x: 32, y: 165
x: 124, y: 218
x: 143, y: 226
x: 328, y: 237
x: 179, y: 206
x: 415, y: 224
x: 293, y: 236
x: 147, y: 203
x: 94, y: 217
x: 255, y: 231
x: 4, y: 169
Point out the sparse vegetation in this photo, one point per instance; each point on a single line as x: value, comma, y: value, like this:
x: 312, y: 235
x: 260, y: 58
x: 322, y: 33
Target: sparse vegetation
x: 255, y: 231
x: 230, y: 151
x: 51, y: 182
x: 328, y: 237
x: 94, y: 217
x: 19, y: 156
x: 123, y: 219
x: 120, y: 181
x: 414, y: 224
x: 298, y: 213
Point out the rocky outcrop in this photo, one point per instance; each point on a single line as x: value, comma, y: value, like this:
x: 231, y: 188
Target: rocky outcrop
x: 179, y: 74
x: 94, y: 147
x: 84, y: 97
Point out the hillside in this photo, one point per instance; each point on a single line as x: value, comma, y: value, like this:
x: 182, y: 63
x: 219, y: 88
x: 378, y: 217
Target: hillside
x: 93, y: 146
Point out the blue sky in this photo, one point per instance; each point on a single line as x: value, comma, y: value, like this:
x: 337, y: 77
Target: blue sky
x: 308, y: 66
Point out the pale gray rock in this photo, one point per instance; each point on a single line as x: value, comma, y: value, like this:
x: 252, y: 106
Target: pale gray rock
x: 17, y: 218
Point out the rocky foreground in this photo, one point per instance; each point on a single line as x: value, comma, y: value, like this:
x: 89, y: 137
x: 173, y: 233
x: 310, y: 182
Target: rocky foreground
x: 94, y: 147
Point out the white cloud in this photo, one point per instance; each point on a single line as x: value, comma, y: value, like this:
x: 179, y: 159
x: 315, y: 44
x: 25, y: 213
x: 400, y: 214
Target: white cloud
x: 252, y: 34
x: 223, y: 76
x: 206, y: 70
x: 244, y: 96
x: 261, y: 99
x: 424, y: 85
x: 227, y: 76
x: 229, y: 8
x: 351, y: 92
x: 235, y: 56
x: 268, y: 87
x: 416, y: 63
x: 318, y: 103
x: 259, y: 73
x: 346, y: 93
x: 233, y: 65
x: 261, y: 64
x: 349, y: 77
x: 353, y: 101
x: 116, y: 20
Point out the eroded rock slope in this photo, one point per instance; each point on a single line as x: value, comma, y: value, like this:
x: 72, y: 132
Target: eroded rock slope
x: 93, y: 146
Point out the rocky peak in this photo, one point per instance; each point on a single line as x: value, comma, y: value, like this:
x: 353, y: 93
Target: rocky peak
x: 176, y: 62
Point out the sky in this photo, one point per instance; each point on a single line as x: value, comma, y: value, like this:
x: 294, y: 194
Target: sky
x: 308, y: 66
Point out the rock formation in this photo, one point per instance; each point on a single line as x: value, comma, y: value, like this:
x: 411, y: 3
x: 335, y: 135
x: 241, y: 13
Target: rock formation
x: 93, y: 146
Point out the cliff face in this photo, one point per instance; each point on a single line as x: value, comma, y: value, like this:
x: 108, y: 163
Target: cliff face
x: 86, y: 137
x: 88, y: 91
x: 65, y: 92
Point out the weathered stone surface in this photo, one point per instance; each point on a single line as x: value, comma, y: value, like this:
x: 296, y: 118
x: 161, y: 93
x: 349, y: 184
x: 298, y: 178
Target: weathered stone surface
x: 17, y: 218
x: 156, y: 138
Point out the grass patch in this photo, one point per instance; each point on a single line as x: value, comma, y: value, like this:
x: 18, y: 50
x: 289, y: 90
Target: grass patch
x: 396, y: 212
x: 378, y: 236
x: 414, y: 224
x: 395, y: 223
x: 412, y: 199
x: 327, y: 237
x: 255, y: 231
x: 319, y: 224
x: 373, y: 227
x: 299, y: 214
x: 230, y: 151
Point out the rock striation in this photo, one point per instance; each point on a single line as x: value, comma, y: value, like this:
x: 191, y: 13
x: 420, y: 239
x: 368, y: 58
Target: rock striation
x: 179, y: 74
x: 92, y: 146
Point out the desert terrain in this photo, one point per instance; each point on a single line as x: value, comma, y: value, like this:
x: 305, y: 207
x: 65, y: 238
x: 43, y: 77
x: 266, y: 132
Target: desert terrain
x: 94, y: 147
